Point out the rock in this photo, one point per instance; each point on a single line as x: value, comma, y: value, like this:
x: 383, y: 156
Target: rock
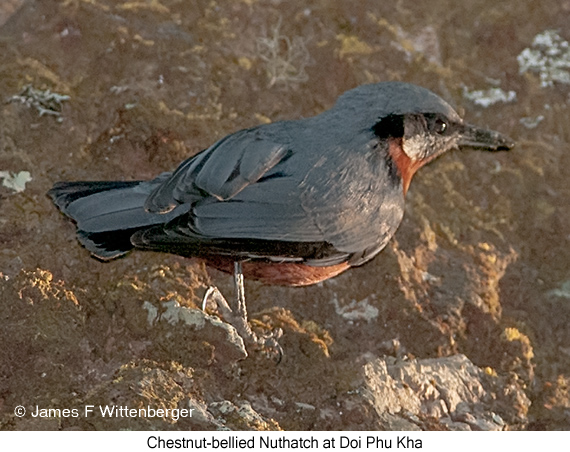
x: 451, y: 391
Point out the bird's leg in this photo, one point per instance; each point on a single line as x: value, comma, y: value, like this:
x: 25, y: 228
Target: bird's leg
x: 236, y: 315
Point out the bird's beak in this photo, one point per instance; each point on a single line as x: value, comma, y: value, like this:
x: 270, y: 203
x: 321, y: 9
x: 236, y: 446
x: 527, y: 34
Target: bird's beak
x: 477, y: 138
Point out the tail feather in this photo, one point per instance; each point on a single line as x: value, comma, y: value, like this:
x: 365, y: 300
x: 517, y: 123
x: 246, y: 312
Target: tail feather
x: 105, y: 245
x: 107, y: 214
x: 64, y: 193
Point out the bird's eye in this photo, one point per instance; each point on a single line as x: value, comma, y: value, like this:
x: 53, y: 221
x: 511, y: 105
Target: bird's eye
x: 440, y: 126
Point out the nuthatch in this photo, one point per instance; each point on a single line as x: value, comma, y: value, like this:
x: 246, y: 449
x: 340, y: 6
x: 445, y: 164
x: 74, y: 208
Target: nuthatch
x: 292, y: 202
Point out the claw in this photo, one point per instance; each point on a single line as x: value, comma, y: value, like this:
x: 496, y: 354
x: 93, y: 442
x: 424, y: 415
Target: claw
x: 270, y: 345
x: 210, y: 293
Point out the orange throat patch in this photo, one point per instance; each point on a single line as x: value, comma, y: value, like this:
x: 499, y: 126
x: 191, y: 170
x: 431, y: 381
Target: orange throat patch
x: 406, y: 166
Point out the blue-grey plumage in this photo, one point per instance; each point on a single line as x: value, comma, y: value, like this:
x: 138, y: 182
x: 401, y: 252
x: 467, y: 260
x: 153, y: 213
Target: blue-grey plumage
x: 315, y: 195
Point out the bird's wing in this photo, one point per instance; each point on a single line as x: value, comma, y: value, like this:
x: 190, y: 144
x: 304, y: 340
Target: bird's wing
x: 246, y: 186
x: 221, y: 171
x: 254, y: 187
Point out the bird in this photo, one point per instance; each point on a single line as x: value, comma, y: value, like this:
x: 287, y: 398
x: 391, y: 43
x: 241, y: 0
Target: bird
x: 293, y: 202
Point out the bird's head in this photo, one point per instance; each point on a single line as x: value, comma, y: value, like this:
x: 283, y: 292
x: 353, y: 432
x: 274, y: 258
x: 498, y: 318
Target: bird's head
x: 418, y: 125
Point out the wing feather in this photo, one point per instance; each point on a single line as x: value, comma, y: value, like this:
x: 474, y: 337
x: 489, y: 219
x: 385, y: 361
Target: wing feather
x: 270, y: 184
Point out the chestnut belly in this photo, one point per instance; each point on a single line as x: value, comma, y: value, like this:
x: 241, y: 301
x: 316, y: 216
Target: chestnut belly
x: 282, y: 274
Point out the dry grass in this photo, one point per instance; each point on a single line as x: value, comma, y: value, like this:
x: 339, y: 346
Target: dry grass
x: 285, y: 58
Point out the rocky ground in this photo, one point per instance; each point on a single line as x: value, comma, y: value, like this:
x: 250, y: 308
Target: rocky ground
x: 461, y: 323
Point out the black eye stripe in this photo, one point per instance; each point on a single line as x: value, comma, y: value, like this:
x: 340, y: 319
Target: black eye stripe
x: 392, y: 126
x: 389, y: 126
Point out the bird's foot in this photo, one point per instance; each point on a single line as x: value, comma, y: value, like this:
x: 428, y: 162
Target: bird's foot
x: 237, y: 317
